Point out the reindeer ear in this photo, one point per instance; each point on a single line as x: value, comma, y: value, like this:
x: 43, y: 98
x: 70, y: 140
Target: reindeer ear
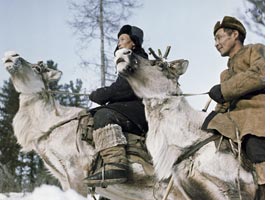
x: 180, y: 66
x: 184, y: 66
x: 53, y: 75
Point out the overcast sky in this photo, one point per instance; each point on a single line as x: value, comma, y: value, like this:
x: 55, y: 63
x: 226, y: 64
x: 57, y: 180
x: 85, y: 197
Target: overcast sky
x: 38, y: 30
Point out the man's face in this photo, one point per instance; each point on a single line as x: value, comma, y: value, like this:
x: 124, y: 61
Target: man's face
x: 225, y: 42
x: 124, y: 41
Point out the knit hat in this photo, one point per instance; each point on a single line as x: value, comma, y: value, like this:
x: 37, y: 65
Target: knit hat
x: 135, y: 34
x: 231, y: 23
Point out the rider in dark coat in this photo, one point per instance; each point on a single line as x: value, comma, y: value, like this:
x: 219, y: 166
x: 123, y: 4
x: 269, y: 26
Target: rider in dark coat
x: 120, y: 97
x: 121, y: 111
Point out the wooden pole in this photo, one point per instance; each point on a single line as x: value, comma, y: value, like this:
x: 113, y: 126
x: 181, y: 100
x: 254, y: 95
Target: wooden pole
x: 169, y: 187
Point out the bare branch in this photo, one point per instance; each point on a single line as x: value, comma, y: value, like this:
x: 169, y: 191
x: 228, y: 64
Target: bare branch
x: 99, y: 20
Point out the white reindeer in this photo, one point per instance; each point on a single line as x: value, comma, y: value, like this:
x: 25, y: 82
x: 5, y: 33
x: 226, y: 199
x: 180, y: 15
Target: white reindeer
x: 174, y: 130
x: 66, y: 156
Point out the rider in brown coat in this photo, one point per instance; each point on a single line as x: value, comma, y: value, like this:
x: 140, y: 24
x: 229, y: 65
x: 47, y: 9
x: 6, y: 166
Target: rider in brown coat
x: 240, y: 96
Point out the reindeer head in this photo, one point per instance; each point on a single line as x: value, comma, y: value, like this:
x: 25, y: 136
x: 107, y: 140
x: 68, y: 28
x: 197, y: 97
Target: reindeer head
x: 27, y: 77
x: 150, y: 79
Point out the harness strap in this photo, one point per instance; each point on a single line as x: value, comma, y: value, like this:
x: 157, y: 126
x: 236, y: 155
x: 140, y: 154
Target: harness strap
x: 186, y: 155
x: 47, y: 133
x: 195, y: 148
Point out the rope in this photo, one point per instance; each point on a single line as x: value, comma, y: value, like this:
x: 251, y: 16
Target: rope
x: 85, y: 94
x: 239, y: 162
x: 239, y: 153
x: 192, y: 94
x: 61, y: 123
x: 63, y: 92
x: 70, y: 93
x: 168, y: 189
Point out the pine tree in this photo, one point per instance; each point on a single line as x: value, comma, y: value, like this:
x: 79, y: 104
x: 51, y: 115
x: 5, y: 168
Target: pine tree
x: 9, y: 149
x: 74, y: 100
x: 67, y: 99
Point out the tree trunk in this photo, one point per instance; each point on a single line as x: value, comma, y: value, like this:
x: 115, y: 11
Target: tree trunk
x: 102, y: 53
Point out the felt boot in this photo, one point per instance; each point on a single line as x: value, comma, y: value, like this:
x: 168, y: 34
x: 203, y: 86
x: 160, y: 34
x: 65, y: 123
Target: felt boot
x: 110, y: 142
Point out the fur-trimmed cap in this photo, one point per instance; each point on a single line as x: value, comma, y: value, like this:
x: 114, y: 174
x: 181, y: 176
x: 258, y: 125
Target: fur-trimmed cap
x: 232, y: 23
x: 135, y: 34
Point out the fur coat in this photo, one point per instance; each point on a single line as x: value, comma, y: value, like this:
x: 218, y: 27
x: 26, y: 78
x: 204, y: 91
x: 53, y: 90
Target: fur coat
x: 243, y: 88
x: 120, y: 97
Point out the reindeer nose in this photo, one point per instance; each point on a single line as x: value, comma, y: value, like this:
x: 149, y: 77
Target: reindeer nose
x: 119, y: 60
x: 7, y: 60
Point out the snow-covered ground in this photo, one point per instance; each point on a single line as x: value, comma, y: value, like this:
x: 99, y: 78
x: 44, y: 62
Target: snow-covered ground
x: 45, y: 192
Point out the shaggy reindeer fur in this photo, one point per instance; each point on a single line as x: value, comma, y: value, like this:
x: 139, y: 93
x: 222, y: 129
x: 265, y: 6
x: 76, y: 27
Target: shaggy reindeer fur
x: 174, y: 127
x: 66, y: 156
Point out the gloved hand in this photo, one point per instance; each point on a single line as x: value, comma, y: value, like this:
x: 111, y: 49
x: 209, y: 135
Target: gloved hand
x: 92, y: 96
x: 216, y: 95
x: 99, y: 96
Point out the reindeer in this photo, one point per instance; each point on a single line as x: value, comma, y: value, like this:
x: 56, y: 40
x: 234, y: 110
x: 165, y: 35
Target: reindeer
x: 200, y: 168
x: 50, y: 129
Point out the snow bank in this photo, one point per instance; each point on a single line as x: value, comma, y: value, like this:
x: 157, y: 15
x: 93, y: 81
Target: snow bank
x: 45, y: 192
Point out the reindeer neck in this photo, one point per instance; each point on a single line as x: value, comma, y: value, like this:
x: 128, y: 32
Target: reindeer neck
x: 44, y: 105
x: 37, y: 115
x: 168, y: 102
x: 173, y: 104
x: 29, y: 99
x: 173, y: 123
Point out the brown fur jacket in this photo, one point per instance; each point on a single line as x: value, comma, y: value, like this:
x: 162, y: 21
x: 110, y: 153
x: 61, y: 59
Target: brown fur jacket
x: 243, y: 88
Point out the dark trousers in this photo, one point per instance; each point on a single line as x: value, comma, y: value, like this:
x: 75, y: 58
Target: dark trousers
x: 254, y: 147
x: 105, y: 116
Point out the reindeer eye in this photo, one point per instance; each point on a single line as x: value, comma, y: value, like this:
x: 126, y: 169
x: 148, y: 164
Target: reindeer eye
x: 127, y: 52
x: 37, y: 68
